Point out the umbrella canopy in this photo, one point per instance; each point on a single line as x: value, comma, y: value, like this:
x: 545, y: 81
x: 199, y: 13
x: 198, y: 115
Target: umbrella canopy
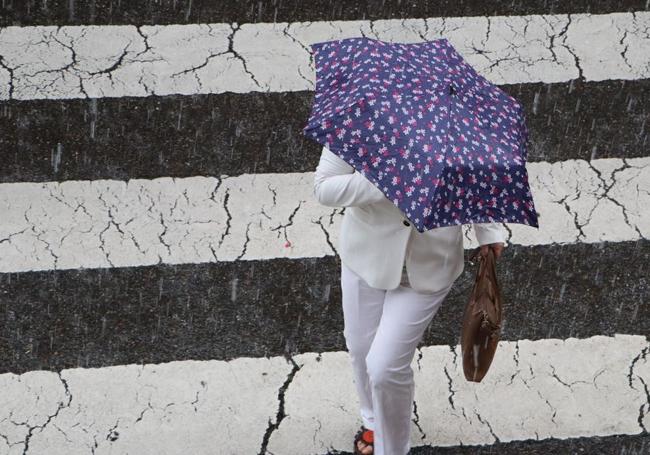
x: 443, y: 143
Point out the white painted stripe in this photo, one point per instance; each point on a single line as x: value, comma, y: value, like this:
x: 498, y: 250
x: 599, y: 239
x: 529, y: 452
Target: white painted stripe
x: 534, y: 389
x: 107, y: 223
x: 48, y: 62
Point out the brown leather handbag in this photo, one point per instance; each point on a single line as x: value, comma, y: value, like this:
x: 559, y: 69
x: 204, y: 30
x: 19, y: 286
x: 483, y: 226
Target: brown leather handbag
x: 482, y: 319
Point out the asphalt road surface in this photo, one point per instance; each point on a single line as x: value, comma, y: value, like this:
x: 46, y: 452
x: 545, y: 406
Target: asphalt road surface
x: 169, y: 284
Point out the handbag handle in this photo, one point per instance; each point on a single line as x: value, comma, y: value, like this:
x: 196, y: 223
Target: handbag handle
x: 483, y: 267
x: 476, y: 252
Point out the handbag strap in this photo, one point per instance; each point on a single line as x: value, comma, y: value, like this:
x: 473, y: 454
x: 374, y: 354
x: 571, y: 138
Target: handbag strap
x: 485, y: 262
x: 475, y: 253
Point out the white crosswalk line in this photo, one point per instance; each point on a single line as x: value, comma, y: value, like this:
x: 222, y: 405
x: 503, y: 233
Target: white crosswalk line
x: 534, y: 389
x: 47, y: 62
x: 107, y: 223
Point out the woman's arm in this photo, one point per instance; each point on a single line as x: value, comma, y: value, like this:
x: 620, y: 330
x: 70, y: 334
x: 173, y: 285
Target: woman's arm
x: 337, y: 185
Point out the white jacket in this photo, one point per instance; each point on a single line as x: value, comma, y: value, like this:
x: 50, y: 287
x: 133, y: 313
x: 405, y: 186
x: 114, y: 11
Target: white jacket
x: 376, y: 239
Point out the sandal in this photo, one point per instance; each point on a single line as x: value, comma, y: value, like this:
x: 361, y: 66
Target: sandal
x: 367, y: 437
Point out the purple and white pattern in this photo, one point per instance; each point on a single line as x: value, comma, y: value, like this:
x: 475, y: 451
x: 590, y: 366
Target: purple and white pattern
x: 443, y: 143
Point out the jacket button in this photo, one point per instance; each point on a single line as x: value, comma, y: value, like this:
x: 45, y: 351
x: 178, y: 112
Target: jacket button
x: 406, y: 223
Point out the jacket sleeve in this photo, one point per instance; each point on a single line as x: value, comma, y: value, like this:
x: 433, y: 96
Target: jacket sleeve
x: 336, y: 184
x: 487, y: 233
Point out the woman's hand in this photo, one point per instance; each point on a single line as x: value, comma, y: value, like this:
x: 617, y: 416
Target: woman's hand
x: 497, y: 249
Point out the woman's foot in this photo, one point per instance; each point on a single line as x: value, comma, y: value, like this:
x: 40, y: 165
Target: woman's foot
x: 364, y: 441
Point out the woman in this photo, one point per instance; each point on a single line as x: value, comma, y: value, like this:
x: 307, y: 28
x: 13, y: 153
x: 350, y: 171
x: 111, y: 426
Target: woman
x: 393, y: 281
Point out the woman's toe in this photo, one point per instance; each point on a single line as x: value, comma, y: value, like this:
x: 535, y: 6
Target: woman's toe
x: 364, y: 447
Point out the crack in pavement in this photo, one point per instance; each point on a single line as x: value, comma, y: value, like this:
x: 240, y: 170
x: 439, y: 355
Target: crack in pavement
x: 280, y: 415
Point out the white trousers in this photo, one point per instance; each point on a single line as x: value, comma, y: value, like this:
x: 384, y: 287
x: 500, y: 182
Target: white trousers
x: 382, y: 329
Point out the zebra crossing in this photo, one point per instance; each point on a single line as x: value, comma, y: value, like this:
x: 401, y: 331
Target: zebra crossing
x: 169, y: 285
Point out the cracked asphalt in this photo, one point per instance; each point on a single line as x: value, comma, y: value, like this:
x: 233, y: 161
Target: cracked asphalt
x: 169, y: 285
